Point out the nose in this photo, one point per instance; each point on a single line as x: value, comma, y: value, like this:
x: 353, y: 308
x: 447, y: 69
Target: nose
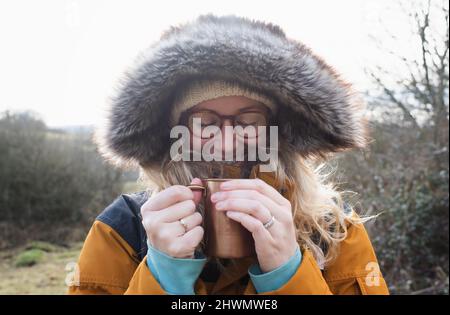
x: 227, y: 136
x: 226, y: 122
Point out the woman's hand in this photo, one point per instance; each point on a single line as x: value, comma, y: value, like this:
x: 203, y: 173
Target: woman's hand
x: 252, y: 202
x: 161, y: 216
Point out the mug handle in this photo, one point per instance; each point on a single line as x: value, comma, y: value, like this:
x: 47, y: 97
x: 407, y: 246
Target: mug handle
x: 197, y: 187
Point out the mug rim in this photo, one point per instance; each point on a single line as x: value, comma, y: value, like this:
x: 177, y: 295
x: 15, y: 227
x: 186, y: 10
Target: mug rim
x: 216, y: 179
x: 204, y: 187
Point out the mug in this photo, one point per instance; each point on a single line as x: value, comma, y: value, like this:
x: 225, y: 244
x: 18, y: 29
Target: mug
x: 224, y: 237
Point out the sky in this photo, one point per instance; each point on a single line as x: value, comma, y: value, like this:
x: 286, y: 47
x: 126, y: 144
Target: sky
x: 62, y: 58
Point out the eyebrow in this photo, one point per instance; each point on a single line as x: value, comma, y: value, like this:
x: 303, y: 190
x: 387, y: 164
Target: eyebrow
x: 252, y: 107
x: 247, y: 108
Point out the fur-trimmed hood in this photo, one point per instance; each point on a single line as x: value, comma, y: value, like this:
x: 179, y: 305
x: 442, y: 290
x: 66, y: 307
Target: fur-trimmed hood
x: 319, y: 112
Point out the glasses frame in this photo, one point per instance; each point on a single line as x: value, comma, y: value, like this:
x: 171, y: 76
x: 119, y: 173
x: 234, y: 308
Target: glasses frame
x: 186, y: 116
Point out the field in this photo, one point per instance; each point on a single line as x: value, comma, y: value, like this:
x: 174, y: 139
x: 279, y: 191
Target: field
x: 38, y: 268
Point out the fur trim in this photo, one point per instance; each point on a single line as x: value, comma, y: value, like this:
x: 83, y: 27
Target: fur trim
x: 319, y: 114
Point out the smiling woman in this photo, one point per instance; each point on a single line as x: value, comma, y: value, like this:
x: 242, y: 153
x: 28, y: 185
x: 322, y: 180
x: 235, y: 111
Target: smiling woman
x: 232, y: 72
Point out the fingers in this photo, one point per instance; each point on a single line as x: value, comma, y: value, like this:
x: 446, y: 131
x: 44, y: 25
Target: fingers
x: 153, y: 220
x: 184, y: 246
x: 192, y: 238
x: 254, y: 195
x: 247, y: 206
x: 172, y: 239
x: 167, y: 198
x: 255, y: 184
x: 176, y: 212
x: 253, y: 225
x: 191, y: 222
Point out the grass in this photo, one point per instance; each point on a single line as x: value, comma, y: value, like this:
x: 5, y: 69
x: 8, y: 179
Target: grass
x: 29, y: 257
x: 40, y: 267
x: 43, y: 275
x: 43, y: 246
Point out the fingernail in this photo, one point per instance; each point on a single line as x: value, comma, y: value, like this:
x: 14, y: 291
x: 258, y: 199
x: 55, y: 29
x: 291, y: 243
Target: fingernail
x: 216, y: 196
x: 219, y: 205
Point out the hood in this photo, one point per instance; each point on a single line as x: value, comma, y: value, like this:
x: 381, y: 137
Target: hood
x: 319, y: 112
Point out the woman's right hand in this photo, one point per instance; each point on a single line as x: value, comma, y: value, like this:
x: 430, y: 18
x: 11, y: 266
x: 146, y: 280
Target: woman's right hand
x: 161, y: 215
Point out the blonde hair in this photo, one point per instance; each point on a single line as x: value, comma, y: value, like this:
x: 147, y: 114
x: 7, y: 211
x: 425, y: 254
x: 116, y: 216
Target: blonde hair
x: 320, y: 215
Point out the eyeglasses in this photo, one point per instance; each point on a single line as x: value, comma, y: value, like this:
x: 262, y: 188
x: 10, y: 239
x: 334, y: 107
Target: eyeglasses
x: 247, y: 123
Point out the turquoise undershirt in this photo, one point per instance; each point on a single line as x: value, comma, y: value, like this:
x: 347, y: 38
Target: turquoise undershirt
x: 178, y: 275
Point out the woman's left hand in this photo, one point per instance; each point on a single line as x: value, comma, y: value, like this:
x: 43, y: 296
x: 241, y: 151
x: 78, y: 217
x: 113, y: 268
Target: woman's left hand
x: 253, y: 202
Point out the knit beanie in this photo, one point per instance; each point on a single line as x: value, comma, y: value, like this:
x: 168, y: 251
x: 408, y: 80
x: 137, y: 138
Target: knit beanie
x: 202, y: 90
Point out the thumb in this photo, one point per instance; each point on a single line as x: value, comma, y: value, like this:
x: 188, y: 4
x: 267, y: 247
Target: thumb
x: 198, y: 194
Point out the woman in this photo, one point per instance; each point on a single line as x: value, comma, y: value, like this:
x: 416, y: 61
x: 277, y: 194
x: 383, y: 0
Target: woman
x: 230, y: 72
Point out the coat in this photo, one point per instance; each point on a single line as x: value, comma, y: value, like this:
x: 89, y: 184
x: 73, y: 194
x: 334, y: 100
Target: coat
x: 113, y: 261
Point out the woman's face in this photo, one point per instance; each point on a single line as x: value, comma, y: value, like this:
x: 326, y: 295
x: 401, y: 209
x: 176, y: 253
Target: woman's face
x: 245, y: 111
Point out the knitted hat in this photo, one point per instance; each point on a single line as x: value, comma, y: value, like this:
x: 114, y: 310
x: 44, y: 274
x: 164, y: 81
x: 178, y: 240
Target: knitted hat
x: 203, y: 90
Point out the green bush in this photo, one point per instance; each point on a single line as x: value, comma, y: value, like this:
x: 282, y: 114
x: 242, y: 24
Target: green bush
x: 406, y: 181
x: 51, y: 181
x: 29, y: 258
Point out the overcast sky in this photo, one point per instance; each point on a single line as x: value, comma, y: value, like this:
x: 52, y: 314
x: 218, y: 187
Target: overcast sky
x: 61, y: 58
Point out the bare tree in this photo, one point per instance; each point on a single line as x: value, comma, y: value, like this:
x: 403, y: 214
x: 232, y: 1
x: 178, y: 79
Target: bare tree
x: 404, y: 173
x: 421, y: 92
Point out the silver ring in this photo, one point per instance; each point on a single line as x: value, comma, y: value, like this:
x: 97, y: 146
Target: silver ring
x: 270, y: 223
x: 184, y: 224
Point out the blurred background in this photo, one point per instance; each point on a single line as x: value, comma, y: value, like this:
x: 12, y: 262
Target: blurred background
x: 59, y: 62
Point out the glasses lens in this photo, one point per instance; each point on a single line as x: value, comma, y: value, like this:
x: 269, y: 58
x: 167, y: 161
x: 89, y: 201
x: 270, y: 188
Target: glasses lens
x: 200, y: 120
x: 250, y: 123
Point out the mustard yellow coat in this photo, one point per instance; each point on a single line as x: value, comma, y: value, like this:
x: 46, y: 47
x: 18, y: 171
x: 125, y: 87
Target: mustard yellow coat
x: 113, y: 261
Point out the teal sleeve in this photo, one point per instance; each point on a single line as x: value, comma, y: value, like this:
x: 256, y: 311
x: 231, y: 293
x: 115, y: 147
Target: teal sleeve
x: 275, y: 279
x: 175, y: 275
